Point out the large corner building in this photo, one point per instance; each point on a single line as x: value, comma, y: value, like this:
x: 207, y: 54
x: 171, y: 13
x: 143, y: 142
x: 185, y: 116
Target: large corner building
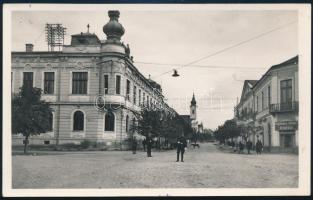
x: 73, y: 78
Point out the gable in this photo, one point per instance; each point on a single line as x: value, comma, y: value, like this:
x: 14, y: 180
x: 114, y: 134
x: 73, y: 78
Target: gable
x: 247, y: 87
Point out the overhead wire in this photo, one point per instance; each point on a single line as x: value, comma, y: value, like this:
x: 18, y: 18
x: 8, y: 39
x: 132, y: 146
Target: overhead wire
x: 205, y: 66
x: 230, y: 47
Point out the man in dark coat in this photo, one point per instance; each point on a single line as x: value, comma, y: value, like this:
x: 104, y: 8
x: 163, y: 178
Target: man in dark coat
x: 149, y: 146
x: 249, y: 146
x: 144, y: 144
x: 181, y: 145
x: 134, y: 145
x: 258, y: 147
x: 240, y: 147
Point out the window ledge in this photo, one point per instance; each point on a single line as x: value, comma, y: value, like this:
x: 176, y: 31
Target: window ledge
x: 78, y: 134
x: 79, y: 97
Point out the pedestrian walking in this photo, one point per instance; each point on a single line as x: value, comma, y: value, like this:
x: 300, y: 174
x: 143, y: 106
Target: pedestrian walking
x: 134, y: 145
x: 249, y: 146
x: 181, y: 145
x: 144, y: 142
x: 259, y: 147
x: 149, y: 146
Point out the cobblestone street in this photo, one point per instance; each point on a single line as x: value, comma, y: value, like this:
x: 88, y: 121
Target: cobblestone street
x: 205, y: 167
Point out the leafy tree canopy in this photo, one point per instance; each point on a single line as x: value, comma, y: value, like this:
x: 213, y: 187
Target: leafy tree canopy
x: 30, y: 115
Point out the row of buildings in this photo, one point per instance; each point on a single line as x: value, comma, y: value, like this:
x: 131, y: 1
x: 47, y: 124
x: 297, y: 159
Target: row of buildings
x: 75, y: 78
x: 268, y: 108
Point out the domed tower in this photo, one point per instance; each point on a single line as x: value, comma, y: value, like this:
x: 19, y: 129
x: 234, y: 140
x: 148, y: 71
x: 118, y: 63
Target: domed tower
x: 193, y: 108
x: 114, y: 31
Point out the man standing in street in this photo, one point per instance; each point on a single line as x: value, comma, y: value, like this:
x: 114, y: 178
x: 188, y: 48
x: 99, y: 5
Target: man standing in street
x: 258, y: 147
x: 240, y: 147
x: 134, y: 145
x: 181, y: 145
x: 149, y: 146
x: 249, y: 146
x: 144, y: 144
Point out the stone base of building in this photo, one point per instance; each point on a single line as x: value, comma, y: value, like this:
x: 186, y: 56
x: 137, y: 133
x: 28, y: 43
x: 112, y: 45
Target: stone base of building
x: 74, y: 144
x: 281, y: 150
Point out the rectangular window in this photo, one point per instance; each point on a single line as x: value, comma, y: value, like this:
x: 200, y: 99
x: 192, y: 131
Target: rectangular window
x: 106, y: 84
x: 257, y: 103
x: 79, y: 82
x: 148, y: 101
x: 118, y: 84
x: 28, y: 79
x: 269, y: 95
x: 139, y: 98
x: 143, y: 99
x: 286, y: 91
x: 134, y: 94
x: 128, y: 90
x: 49, y: 82
x: 262, y: 100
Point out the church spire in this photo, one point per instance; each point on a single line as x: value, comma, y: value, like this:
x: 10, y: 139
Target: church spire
x: 193, y: 101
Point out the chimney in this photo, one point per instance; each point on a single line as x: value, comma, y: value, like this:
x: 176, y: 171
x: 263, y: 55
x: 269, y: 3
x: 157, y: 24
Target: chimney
x: 29, y: 47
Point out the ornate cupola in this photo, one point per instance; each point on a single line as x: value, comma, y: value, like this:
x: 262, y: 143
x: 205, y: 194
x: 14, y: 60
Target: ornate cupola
x: 113, y: 29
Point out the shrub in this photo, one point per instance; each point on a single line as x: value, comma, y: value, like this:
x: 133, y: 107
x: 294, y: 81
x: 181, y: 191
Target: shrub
x: 85, y: 144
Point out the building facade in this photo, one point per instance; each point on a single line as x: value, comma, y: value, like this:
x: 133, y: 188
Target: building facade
x: 268, y: 108
x: 94, y: 88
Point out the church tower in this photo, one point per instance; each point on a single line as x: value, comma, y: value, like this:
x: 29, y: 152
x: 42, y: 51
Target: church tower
x: 193, y: 108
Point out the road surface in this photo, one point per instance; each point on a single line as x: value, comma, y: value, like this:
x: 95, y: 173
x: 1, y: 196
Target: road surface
x: 206, y: 167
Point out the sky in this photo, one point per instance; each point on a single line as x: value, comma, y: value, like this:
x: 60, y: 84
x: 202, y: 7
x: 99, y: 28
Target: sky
x: 172, y: 39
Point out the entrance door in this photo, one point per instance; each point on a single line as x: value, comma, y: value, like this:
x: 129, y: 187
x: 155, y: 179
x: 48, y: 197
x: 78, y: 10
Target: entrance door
x: 288, y: 140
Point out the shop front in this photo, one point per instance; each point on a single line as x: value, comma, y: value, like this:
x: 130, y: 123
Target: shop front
x: 287, y: 132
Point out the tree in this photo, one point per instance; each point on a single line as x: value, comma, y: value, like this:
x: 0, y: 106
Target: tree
x: 30, y: 115
x: 229, y: 129
x: 162, y: 124
x: 206, y: 136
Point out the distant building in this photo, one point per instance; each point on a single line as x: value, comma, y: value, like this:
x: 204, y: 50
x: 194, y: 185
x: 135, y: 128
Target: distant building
x: 192, y: 118
x: 200, y: 128
x: 268, y: 108
x: 193, y: 113
x: 71, y: 80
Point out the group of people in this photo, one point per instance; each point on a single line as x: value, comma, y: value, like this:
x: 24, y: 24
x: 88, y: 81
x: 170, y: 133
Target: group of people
x: 145, y: 143
x: 148, y: 142
x: 240, y: 146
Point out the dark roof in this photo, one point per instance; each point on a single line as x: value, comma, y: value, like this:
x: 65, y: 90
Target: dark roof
x: 85, y: 39
x: 286, y: 63
x: 252, y: 82
x: 185, y: 117
x: 293, y: 60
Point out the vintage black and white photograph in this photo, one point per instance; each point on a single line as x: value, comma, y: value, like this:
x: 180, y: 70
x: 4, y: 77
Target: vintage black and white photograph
x: 176, y: 98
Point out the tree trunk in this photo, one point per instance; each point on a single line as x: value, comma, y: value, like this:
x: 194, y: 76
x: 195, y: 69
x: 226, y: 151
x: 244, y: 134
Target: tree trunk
x: 25, y: 144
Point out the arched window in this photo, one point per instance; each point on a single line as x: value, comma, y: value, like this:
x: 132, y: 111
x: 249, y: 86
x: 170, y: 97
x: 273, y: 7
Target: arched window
x: 127, y: 124
x: 109, y: 122
x: 50, y: 118
x: 78, y: 118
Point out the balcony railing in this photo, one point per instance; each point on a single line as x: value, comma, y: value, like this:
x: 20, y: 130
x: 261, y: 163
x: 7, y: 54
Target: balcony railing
x: 284, y: 107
